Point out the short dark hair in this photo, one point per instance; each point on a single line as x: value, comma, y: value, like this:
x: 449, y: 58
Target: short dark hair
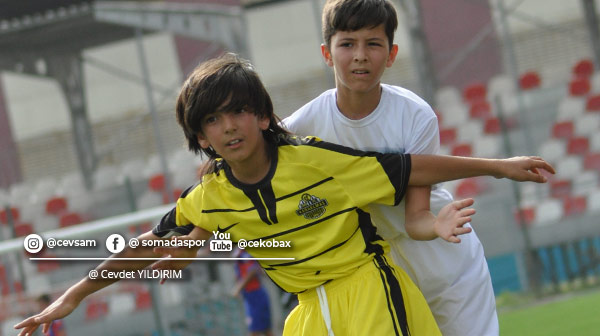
x: 352, y: 15
x: 214, y: 82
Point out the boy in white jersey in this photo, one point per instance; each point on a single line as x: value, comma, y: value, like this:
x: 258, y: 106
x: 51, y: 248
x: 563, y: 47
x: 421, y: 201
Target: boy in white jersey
x: 364, y: 114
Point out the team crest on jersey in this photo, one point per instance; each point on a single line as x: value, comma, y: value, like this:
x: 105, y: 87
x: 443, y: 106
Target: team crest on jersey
x: 311, y: 207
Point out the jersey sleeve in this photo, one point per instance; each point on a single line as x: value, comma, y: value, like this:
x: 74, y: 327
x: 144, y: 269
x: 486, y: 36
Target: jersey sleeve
x: 175, y: 222
x: 425, y: 137
x: 368, y: 177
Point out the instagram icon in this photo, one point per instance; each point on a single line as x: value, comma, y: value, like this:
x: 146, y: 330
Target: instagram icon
x: 33, y: 243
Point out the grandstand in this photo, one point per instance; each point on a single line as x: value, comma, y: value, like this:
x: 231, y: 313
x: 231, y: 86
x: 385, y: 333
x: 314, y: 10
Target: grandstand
x: 545, y: 101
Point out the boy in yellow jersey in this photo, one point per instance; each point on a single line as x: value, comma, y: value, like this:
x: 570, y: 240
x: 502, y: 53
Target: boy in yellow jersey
x: 265, y: 187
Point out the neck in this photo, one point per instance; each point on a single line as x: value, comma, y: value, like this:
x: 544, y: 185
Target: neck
x: 254, y: 169
x: 358, y: 105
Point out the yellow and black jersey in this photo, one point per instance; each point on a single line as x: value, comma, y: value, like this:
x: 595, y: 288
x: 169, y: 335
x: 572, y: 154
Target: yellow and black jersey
x: 313, y: 196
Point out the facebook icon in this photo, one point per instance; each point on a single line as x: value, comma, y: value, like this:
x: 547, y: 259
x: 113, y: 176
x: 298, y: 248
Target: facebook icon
x: 115, y: 243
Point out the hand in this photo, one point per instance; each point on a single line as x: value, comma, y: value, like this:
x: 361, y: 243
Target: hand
x: 525, y: 168
x: 172, y: 253
x: 451, y: 219
x: 60, y: 308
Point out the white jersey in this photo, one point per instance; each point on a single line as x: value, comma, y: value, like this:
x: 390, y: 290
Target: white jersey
x: 454, y: 278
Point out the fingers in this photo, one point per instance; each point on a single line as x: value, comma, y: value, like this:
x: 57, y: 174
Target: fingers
x: 539, y: 163
x: 460, y: 204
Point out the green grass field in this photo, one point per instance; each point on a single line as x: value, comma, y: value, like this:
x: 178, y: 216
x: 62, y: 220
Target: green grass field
x: 576, y: 314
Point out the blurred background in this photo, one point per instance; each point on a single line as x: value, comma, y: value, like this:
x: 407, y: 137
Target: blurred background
x: 89, y: 145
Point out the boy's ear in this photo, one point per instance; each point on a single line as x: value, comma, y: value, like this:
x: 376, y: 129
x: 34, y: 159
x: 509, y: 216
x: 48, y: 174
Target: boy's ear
x: 202, y: 140
x: 264, y: 123
x: 327, y: 55
x: 392, y: 55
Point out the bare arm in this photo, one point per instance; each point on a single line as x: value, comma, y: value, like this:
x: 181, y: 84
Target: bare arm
x: 432, y: 169
x: 421, y: 224
x: 67, y: 302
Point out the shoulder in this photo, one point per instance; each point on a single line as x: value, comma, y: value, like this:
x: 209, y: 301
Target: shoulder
x: 306, y: 113
x: 397, y: 94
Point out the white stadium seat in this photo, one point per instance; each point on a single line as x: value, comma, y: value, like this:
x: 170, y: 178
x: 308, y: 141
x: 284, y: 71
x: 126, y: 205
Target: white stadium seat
x: 548, y: 211
x: 569, y: 167
x: 121, y: 304
x: 470, y: 131
x: 553, y: 150
x: 500, y: 85
x: 448, y: 95
x: 585, y: 183
x: 487, y: 146
x: 570, y: 108
x: 587, y: 124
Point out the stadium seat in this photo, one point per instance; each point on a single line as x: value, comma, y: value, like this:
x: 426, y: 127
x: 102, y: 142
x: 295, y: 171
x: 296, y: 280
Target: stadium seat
x: 95, y: 309
x: 595, y: 81
x: 529, y: 80
x: 23, y: 229
x: 560, y: 188
x: 156, y: 182
x: 121, y: 304
x: 56, y: 205
x: 563, y: 129
x: 132, y: 170
x: 593, y: 202
x: 569, y: 167
x: 591, y: 161
x: 69, y: 219
x: 448, y: 96
x: 474, y: 92
x: 500, y: 85
x: 143, y: 300
x: 570, y: 108
x: 106, y: 177
x: 19, y: 193
x: 45, y: 223
x: 487, y: 146
x: 587, y: 124
x: 462, y: 149
x: 553, y: 150
x: 593, y: 103
x: 525, y: 215
x: 469, y: 187
x: 595, y: 142
x: 47, y: 266
x: 455, y: 115
x: 585, y: 183
x: 13, y: 213
x: 548, y: 211
x: 583, y: 68
x: 149, y: 199
x: 578, y: 145
x: 575, y: 205
x: 447, y: 136
x: 580, y: 86
x: 480, y: 110
x: 492, y: 126
x: 470, y: 131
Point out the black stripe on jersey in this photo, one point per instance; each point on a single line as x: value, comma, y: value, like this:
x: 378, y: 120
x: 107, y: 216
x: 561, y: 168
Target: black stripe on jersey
x: 282, y: 233
x: 268, y: 195
x: 305, y: 189
x: 395, y: 295
x: 168, y: 226
x: 369, y: 232
x: 258, y: 205
x: 295, y: 262
x: 396, y: 166
x: 188, y: 190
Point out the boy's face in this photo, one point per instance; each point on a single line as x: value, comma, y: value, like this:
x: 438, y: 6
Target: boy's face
x: 234, y: 135
x: 359, y: 58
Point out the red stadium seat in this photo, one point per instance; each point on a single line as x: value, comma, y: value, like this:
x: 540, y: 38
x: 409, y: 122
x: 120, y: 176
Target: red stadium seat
x: 578, y: 145
x: 47, y: 266
x: 560, y: 188
x: 96, y: 309
x: 579, y: 86
x: 70, y: 218
x: 529, y: 80
x: 592, y: 161
x: 447, y: 136
x: 23, y: 229
x: 475, y: 92
x: 492, y: 126
x: 574, y: 205
x: 462, y: 150
x: 480, y: 110
x: 563, y: 129
x: 583, y: 68
x: 593, y: 103
x: 14, y: 213
x: 157, y: 182
x: 56, y: 205
x: 469, y: 187
x: 526, y: 215
x: 18, y: 287
x: 143, y: 300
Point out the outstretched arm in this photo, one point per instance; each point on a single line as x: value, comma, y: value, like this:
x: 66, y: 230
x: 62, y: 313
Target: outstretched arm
x: 67, y: 302
x: 432, y: 169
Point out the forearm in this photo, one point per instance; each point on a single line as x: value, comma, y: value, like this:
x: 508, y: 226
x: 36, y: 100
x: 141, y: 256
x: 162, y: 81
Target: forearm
x: 420, y: 225
x: 432, y: 169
